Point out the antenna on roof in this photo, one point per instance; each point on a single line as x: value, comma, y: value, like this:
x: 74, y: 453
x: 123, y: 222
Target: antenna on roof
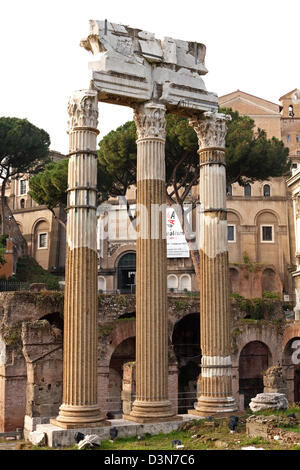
x: 105, y: 27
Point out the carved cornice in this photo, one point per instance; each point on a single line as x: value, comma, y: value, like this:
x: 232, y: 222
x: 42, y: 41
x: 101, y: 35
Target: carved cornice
x: 211, y: 129
x: 150, y: 120
x: 83, y: 109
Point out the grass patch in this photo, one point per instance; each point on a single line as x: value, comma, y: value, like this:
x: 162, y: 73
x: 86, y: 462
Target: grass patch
x: 292, y: 409
x: 30, y: 271
x: 290, y: 429
x: 194, y: 435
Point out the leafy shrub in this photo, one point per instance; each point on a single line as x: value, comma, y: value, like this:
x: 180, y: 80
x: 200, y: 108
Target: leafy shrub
x: 29, y: 270
x: 271, y: 295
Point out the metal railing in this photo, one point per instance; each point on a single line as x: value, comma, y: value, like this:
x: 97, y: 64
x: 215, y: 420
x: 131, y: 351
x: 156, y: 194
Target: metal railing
x: 13, y: 286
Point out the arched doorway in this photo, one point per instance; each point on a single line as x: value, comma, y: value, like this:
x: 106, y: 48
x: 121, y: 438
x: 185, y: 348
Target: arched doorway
x: 185, y: 283
x: 186, y: 344
x: 269, y: 281
x: 234, y: 280
x: 291, y: 369
x: 125, y: 352
x: 41, y: 243
x: 255, y: 358
x: 126, y: 271
x: 55, y: 319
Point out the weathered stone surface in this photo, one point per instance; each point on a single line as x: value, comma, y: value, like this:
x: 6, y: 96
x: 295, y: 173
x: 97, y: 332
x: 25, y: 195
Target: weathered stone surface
x: 267, y: 401
x: 131, y: 65
x: 267, y: 428
x: 216, y: 372
x: 37, y: 438
x: 90, y: 441
x: 80, y: 402
x: 37, y: 287
x: 58, y: 437
x: 274, y: 381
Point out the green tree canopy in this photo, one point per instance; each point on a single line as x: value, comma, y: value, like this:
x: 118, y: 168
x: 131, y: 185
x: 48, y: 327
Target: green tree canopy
x: 49, y: 186
x: 250, y: 155
x: 23, y: 149
x: 117, y: 162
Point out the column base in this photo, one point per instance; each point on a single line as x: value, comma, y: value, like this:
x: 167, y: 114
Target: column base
x: 151, y: 412
x: 73, y: 417
x: 210, y: 406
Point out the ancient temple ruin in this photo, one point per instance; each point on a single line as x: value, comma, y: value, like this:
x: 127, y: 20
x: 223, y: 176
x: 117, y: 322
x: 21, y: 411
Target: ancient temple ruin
x: 132, y: 68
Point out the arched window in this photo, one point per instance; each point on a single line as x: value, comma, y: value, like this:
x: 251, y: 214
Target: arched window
x: 185, y: 282
x: 229, y: 190
x: 22, y: 203
x: 291, y: 111
x: 247, y: 190
x: 101, y: 284
x: 126, y: 272
x: 267, y: 190
x: 172, y: 281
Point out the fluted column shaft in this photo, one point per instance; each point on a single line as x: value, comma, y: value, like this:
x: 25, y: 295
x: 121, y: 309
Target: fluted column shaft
x: 151, y: 402
x: 216, y: 381
x: 80, y: 404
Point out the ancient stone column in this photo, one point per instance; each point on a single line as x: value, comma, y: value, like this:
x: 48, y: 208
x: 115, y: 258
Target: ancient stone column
x: 216, y: 383
x: 151, y: 402
x: 80, y: 405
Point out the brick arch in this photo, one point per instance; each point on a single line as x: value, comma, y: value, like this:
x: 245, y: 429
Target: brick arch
x: 236, y: 213
x: 122, y: 330
x: 122, y: 250
x: 37, y: 222
x: 265, y: 334
x: 291, y: 332
x: 254, y: 359
x: 268, y: 211
x: 234, y: 279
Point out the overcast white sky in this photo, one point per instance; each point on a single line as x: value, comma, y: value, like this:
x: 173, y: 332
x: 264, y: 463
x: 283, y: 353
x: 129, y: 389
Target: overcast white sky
x: 252, y: 45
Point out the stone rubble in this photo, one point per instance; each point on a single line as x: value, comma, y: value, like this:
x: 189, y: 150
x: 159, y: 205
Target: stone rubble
x: 89, y: 441
x: 37, y: 438
x: 268, y: 401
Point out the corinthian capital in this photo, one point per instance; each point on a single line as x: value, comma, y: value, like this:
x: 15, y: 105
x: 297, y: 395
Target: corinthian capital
x: 150, y: 120
x: 211, y: 129
x: 83, y: 109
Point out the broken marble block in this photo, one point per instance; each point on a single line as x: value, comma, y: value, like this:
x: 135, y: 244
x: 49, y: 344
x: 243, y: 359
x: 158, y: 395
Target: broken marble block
x: 89, y: 441
x: 37, y: 438
x: 269, y: 401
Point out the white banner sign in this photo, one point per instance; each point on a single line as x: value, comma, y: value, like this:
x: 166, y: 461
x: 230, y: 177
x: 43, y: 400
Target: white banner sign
x: 177, y: 246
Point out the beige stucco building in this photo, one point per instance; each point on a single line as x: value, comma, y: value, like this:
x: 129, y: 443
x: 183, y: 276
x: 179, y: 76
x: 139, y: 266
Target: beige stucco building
x: 294, y: 186
x: 260, y: 215
x: 45, y: 237
x: 260, y: 219
x: 117, y: 251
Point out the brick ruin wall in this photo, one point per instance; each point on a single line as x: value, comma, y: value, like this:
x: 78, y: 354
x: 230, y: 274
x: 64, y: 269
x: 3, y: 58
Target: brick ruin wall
x: 31, y: 348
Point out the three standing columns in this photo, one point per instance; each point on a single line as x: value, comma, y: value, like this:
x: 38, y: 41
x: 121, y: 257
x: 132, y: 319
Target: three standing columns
x: 216, y: 382
x: 80, y: 405
x: 151, y: 402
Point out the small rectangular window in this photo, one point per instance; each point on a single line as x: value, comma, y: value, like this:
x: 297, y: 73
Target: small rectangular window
x: 23, y: 187
x: 231, y: 233
x: 43, y: 240
x: 288, y: 138
x: 267, y: 233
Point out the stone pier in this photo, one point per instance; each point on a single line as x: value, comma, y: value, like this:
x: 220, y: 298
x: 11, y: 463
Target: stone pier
x: 151, y: 402
x: 80, y: 404
x: 216, y: 382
